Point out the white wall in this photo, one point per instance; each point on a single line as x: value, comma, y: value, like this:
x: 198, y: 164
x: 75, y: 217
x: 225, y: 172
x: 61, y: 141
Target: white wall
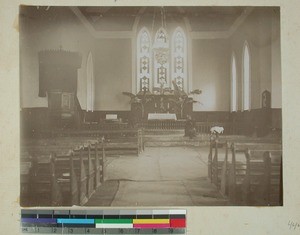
x: 113, y: 74
x: 276, y: 96
x: 260, y: 29
x: 211, y: 74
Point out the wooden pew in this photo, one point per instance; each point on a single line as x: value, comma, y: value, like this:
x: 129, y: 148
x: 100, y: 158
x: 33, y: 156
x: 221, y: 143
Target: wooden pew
x: 76, y: 170
x: 39, y: 184
x: 85, y: 173
x: 249, y: 178
x: 216, y: 166
x: 263, y: 179
x: 71, y: 177
x: 226, y: 173
x: 123, y: 141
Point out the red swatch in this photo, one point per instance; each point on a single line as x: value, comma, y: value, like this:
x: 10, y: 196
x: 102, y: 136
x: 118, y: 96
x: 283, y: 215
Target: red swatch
x: 177, y: 223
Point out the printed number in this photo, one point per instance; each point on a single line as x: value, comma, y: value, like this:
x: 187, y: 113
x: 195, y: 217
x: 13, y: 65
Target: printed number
x: 154, y: 231
x: 70, y: 230
x: 25, y: 229
x: 137, y: 230
x: 171, y: 230
x: 54, y: 230
x: 121, y: 231
x: 87, y: 231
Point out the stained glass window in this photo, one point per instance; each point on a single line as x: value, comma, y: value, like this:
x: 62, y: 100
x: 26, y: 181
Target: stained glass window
x: 179, y: 52
x: 161, y: 59
x: 144, y: 60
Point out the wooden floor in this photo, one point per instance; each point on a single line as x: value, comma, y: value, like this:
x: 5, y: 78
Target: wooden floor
x: 160, y: 176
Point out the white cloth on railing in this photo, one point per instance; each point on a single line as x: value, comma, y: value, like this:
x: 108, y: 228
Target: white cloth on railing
x: 216, y: 130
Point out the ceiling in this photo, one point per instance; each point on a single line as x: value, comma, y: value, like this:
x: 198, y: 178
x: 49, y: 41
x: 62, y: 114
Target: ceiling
x: 199, y: 18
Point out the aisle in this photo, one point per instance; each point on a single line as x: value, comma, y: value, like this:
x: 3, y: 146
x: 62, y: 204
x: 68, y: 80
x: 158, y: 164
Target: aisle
x: 160, y: 176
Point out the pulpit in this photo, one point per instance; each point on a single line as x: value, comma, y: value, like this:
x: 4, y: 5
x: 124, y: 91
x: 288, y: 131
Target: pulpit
x: 61, y: 107
x: 58, y: 80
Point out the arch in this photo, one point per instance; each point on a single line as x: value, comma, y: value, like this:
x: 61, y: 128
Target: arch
x: 246, y: 77
x: 233, y: 84
x: 144, y: 60
x: 90, y: 83
x: 179, y: 58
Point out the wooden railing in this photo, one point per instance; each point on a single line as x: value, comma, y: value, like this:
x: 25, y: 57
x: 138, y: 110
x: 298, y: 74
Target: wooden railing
x: 162, y: 124
x: 106, y: 126
x: 201, y: 127
x: 204, y: 127
x: 253, y: 175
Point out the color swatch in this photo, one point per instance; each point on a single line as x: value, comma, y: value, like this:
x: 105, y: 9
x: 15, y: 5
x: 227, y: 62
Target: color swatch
x: 104, y: 221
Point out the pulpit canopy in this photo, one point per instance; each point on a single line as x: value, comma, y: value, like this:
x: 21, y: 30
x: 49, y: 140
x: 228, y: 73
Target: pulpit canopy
x: 58, y: 71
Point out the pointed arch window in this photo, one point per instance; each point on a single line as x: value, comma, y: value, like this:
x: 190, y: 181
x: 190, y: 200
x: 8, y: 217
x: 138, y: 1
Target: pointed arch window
x: 161, y: 59
x: 179, y: 55
x: 233, y: 84
x: 144, y: 60
x: 246, y: 77
x: 90, y: 84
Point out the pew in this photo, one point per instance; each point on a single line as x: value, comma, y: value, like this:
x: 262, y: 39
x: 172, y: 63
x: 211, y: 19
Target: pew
x: 257, y: 179
x: 63, y: 178
x: 252, y: 176
x: 81, y: 173
x: 123, y: 141
x: 74, y: 163
x: 38, y: 182
x: 215, y: 164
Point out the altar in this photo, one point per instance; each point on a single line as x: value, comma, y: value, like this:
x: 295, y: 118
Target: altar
x: 162, y: 116
x: 160, y: 107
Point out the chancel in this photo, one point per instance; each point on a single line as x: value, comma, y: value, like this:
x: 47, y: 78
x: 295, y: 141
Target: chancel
x: 150, y: 106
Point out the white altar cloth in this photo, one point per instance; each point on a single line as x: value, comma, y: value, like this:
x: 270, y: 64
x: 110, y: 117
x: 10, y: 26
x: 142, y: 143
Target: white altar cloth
x: 162, y: 116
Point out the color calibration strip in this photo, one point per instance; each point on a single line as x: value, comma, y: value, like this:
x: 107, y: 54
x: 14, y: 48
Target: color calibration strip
x: 103, y: 221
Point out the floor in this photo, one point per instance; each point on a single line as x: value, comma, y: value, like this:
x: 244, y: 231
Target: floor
x: 160, y: 176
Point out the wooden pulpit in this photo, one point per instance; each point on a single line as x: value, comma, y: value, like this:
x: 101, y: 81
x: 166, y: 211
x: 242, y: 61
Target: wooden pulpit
x: 61, y: 107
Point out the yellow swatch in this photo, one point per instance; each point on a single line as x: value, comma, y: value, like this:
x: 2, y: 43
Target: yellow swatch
x: 151, y: 221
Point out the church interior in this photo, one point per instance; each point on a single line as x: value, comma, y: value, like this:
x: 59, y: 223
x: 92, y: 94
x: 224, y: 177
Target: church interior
x: 150, y: 106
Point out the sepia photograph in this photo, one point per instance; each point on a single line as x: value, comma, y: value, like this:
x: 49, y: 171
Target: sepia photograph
x: 150, y: 106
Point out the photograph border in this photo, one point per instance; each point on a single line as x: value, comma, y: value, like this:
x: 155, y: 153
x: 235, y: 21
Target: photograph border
x: 200, y: 220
